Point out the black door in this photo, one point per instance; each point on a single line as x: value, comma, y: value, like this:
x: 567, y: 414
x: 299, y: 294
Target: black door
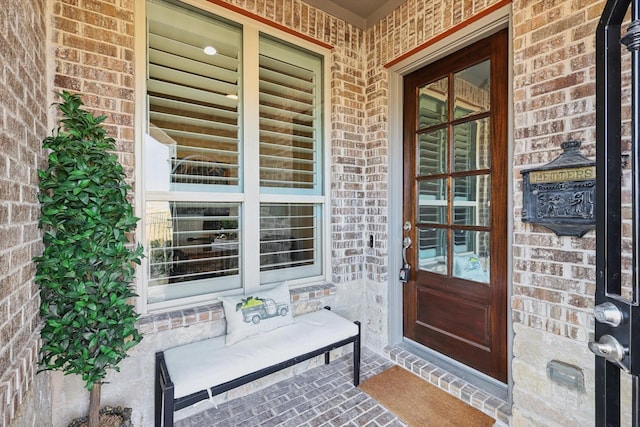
x: 617, y: 214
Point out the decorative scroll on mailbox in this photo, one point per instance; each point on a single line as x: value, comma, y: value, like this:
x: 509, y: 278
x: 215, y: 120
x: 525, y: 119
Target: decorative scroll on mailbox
x: 561, y: 194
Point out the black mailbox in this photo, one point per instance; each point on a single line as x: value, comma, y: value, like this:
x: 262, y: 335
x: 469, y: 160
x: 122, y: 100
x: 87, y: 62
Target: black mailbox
x: 561, y: 194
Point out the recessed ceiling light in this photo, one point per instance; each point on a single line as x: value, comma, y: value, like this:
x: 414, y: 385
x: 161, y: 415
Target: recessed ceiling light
x: 210, y: 50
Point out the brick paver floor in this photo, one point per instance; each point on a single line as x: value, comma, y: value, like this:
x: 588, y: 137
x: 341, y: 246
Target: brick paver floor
x: 322, y: 396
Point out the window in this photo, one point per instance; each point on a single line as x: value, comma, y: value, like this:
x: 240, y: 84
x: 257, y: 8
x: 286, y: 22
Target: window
x: 233, y: 157
x: 454, y: 182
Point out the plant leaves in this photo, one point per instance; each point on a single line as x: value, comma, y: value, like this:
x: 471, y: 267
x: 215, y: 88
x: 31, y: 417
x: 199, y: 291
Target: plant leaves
x: 85, y: 270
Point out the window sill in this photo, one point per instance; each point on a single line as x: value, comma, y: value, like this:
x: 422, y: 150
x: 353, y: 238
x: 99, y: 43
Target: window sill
x: 303, y: 300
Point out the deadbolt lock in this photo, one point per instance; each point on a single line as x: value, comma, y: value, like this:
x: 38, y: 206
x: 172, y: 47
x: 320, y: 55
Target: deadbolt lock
x: 609, y: 314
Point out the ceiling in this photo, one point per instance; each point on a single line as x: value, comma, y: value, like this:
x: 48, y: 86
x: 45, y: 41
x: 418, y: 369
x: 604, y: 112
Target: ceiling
x: 361, y: 13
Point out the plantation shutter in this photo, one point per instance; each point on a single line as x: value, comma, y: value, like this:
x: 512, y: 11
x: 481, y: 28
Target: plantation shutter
x: 290, y: 82
x: 193, y: 97
x: 290, y: 117
x: 221, y: 96
x: 192, y: 152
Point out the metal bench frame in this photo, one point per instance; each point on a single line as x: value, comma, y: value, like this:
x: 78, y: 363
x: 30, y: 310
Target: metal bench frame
x: 166, y: 404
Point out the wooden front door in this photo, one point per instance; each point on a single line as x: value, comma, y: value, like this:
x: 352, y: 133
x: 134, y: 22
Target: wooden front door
x: 455, y: 205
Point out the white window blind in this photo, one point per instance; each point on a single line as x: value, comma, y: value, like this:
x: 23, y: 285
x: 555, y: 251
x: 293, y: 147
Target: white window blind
x: 290, y: 244
x: 193, y: 97
x: 290, y: 118
x: 207, y: 215
x: 290, y: 160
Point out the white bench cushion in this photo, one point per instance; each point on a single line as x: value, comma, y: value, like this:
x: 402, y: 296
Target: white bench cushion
x: 204, y: 364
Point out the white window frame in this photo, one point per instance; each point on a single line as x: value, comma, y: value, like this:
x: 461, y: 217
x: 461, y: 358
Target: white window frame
x: 251, y: 197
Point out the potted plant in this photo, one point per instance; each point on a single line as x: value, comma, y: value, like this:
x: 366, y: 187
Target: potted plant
x: 87, y: 266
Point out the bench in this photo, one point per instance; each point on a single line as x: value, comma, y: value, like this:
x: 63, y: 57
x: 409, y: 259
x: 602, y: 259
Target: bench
x: 197, y: 371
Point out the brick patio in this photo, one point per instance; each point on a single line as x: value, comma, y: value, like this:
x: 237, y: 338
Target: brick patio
x: 325, y: 396
x: 322, y: 396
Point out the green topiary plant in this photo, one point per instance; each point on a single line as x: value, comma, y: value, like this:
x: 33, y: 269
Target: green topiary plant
x: 87, y: 267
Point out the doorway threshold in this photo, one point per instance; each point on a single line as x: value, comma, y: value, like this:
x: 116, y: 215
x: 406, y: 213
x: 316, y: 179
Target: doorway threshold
x: 478, y: 390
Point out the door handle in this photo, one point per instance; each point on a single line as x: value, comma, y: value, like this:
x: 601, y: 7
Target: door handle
x: 406, y: 243
x: 611, y: 349
x: 405, y: 271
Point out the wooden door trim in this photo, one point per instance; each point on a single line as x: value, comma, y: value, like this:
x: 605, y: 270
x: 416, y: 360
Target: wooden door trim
x: 451, y: 31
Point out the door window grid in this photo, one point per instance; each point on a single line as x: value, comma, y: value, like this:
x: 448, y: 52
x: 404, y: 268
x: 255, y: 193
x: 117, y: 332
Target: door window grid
x: 467, y: 207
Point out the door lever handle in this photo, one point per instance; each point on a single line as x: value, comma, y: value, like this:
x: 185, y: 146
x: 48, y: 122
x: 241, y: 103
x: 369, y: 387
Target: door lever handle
x: 611, y: 349
x: 405, y: 271
x: 406, y: 243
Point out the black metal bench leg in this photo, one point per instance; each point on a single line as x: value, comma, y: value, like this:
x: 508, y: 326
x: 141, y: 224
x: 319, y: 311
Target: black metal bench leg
x: 168, y: 407
x: 327, y: 355
x: 158, y: 393
x: 356, y: 358
x: 164, y: 394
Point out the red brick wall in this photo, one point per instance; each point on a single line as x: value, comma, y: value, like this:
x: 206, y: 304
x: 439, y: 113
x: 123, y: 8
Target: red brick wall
x: 94, y: 56
x: 94, y: 43
x: 554, y: 101
x: 23, y: 125
x: 553, y: 277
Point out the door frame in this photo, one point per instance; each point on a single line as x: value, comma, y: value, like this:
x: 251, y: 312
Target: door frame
x: 451, y: 41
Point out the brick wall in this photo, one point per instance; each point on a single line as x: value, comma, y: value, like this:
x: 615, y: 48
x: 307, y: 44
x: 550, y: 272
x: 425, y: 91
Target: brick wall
x: 554, y: 277
x: 553, y: 101
x: 103, y: 69
x: 94, y: 56
x: 23, y: 124
x: 348, y: 162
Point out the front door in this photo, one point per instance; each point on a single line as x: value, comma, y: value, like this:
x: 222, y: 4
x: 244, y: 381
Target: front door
x: 455, y: 205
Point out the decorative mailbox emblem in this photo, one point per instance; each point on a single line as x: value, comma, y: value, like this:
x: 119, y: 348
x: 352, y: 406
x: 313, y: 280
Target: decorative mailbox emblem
x: 561, y: 194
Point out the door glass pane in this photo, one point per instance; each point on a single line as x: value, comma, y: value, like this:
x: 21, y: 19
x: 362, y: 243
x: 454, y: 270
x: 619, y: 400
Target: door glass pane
x: 432, y: 103
x: 471, y: 145
x: 432, y: 201
x: 471, y: 90
x: 193, y: 248
x: 432, y: 250
x: 432, y: 152
x: 471, y: 255
x: 471, y: 200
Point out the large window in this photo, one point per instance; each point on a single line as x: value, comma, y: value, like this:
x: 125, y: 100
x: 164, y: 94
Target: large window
x: 233, y: 157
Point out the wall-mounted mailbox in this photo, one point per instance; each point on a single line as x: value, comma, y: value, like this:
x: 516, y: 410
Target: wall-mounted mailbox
x: 561, y: 194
